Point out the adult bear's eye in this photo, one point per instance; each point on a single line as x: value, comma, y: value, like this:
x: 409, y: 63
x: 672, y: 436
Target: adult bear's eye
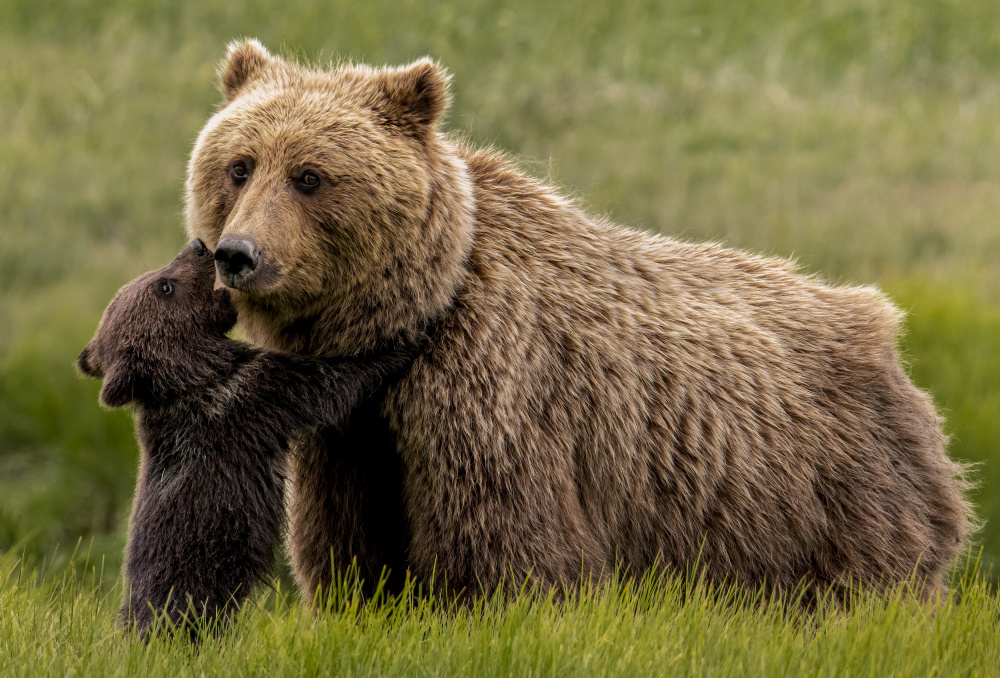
x: 240, y: 172
x: 308, y: 182
x: 165, y: 287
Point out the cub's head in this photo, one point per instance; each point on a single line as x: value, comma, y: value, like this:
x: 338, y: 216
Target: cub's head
x: 160, y: 334
x: 339, y: 215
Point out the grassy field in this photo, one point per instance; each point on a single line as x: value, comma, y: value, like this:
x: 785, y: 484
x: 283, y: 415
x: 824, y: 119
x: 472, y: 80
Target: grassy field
x: 860, y: 137
x: 63, y: 624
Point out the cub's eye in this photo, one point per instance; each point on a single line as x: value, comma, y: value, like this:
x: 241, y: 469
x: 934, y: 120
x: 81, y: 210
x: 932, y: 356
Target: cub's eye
x: 240, y: 172
x: 308, y: 182
x: 165, y: 287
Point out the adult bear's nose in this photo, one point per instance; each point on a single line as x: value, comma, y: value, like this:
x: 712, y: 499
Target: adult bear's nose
x: 236, y: 257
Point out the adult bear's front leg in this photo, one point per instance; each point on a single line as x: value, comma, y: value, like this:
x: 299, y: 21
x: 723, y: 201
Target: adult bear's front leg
x: 490, y: 492
x: 481, y: 522
x: 346, y: 503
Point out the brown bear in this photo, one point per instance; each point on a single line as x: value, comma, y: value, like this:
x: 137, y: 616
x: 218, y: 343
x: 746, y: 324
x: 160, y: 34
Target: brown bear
x: 592, y: 396
x: 213, y: 417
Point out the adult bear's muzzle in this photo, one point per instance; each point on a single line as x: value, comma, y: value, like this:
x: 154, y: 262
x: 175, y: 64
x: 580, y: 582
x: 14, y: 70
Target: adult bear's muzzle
x: 236, y: 259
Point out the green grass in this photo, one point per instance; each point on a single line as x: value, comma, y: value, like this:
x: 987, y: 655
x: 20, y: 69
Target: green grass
x: 860, y: 137
x: 63, y: 623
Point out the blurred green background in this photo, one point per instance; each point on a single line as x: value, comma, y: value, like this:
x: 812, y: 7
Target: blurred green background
x: 860, y: 136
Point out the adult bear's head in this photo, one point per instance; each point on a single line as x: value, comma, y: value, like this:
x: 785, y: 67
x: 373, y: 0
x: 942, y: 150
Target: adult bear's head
x: 341, y: 218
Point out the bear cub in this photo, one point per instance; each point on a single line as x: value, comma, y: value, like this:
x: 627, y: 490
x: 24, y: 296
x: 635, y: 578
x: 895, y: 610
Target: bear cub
x: 214, y: 418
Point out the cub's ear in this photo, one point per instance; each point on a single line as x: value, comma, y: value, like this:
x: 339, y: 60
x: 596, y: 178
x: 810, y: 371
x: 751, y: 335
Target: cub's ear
x: 416, y: 95
x: 86, y: 364
x: 245, y: 61
x: 119, y: 388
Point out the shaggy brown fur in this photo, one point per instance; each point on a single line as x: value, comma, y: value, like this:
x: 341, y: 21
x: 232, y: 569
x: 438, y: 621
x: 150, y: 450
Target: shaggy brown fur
x: 593, y: 394
x: 213, y: 417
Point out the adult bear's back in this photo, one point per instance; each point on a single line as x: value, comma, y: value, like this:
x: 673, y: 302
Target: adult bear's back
x: 627, y: 396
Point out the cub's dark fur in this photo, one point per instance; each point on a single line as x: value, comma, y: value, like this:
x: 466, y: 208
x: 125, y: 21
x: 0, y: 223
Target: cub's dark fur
x: 214, y: 417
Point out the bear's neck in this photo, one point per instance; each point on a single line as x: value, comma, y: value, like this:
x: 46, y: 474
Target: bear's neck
x: 371, y: 312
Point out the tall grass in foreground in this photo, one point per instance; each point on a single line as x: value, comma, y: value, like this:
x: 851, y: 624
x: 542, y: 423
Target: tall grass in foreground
x: 63, y: 623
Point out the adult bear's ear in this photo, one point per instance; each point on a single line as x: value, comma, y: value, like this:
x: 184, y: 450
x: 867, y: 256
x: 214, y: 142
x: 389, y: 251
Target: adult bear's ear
x: 415, y: 96
x: 245, y: 61
x: 119, y: 387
